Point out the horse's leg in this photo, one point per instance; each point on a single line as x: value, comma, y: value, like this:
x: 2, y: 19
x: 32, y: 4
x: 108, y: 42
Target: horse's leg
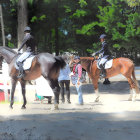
x: 14, y: 82
x: 23, y: 85
x: 95, y: 84
x: 56, y: 90
x: 132, y: 89
x: 131, y: 95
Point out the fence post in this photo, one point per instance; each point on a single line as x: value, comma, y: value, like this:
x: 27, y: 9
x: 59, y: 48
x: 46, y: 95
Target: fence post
x: 5, y: 79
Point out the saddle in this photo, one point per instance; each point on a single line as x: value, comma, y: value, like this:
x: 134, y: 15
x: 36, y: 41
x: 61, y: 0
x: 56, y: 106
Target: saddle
x: 26, y: 63
x: 108, y: 64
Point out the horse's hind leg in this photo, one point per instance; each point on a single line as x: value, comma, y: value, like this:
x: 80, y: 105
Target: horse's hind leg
x: 132, y: 90
x: 23, y: 85
x: 56, y: 90
x: 14, y: 82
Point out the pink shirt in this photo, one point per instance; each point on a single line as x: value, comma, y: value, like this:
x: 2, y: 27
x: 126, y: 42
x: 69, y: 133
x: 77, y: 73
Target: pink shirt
x: 79, y: 68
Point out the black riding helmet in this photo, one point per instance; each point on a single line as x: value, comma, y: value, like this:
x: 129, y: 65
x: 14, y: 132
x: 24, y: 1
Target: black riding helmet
x: 102, y: 36
x: 27, y: 29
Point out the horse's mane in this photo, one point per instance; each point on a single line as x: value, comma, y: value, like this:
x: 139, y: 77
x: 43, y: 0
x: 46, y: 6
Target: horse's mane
x: 87, y: 61
x: 9, y: 49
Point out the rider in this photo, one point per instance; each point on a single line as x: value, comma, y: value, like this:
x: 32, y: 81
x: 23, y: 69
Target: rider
x: 105, y: 55
x: 30, y: 49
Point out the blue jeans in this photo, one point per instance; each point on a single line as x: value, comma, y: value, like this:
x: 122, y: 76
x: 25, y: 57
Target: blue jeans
x: 80, y: 94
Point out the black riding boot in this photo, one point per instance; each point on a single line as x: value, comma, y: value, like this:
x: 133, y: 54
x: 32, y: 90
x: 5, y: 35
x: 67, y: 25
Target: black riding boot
x: 106, y: 81
x: 21, y: 71
x: 103, y: 72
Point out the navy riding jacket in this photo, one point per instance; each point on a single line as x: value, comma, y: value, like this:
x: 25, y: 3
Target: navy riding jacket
x: 104, y: 50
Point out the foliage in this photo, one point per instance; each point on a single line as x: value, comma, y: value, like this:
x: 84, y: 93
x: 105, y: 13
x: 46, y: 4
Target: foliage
x: 133, y: 3
x: 75, y: 26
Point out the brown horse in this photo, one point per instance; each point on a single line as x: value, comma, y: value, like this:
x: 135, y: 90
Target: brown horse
x: 121, y: 65
x: 43, y: 64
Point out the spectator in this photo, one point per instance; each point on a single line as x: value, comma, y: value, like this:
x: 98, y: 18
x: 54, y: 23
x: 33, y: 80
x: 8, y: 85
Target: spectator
x: 64, y: 81
x: 76, y: 78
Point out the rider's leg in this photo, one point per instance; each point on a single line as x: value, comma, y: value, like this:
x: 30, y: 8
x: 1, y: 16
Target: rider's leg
x: 102, y: 66
x: 21, y: 71
x: 20, y: 64
x: 103, y: 71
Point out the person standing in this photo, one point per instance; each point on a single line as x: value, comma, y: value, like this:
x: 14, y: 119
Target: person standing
x: 29, y: 42
x: 77, y: 74
x: 64, y: 81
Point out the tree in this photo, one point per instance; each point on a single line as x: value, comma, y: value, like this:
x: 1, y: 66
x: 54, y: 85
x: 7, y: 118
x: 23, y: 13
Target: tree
x: 22, y: 19
x: 133, y: 3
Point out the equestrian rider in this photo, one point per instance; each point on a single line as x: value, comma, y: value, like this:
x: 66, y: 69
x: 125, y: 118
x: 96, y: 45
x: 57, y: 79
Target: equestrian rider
x: 105, y: 55
x: 30, y: 49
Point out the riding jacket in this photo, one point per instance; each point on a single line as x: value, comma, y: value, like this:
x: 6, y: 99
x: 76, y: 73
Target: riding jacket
x: 29, y: 42
x: 104, y: 50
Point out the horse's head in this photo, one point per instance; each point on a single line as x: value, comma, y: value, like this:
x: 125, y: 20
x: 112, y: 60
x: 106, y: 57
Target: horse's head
x: 7, y: 53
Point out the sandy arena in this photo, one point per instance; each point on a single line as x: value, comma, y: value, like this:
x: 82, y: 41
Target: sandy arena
x: 113, y: 118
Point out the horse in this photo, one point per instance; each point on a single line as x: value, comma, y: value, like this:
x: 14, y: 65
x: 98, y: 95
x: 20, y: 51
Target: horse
x: 43, y: 64
x: 120, y: 65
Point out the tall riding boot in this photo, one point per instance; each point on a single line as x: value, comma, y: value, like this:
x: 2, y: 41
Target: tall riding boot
x: 103, y: 72
x: 21, y: 71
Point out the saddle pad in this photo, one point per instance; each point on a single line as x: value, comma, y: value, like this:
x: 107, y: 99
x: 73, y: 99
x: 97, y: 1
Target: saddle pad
x: 27, y: 63
x: 108, y: 64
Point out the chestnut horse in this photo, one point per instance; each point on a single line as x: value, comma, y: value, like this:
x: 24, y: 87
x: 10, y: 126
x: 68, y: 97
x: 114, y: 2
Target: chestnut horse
x: 43, y: 64
x: 121, y: 65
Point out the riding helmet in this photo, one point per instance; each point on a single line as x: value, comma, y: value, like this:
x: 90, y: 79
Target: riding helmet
x: 27, y: 29
x: 102, y: 36
x: 76, y: 57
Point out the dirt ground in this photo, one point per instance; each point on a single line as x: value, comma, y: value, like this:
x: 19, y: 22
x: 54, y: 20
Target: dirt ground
x: 113, y: 118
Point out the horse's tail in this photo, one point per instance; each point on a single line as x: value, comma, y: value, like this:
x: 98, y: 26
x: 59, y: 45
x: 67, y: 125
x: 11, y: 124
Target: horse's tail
x: 135, y: 81
x: 60, y: 61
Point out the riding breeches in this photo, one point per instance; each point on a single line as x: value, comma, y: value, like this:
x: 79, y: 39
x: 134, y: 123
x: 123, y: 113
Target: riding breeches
x: 103, y: 60
x: 24, y: 56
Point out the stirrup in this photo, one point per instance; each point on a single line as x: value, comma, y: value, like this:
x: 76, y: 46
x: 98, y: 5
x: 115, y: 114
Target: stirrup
x: 102, y: 76
x: 20, y: 75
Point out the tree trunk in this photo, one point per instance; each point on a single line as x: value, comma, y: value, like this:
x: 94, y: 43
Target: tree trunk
x: 22, y: 19
x: 2, y: 26
x: 56, y: 29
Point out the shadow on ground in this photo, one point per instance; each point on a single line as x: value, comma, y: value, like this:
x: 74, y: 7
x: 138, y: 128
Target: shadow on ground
x: 71, y: 126
x: 116, y: 87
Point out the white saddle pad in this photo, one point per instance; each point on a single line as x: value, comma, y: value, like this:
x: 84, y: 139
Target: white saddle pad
x: 108, y: 64
x: 27, y: 63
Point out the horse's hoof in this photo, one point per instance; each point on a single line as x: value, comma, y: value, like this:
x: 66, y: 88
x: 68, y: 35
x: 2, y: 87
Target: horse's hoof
x: 129, y: 99
x: 10, y: 107
x: 23, y: 107
x: 97, y: 99
x: 49, y: 102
